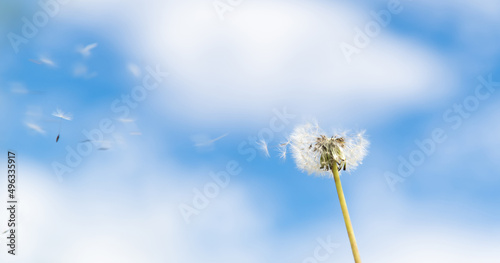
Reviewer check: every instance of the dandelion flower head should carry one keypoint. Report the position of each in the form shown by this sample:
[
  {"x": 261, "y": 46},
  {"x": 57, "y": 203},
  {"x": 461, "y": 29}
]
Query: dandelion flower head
[{"x": 314, "y": 152}]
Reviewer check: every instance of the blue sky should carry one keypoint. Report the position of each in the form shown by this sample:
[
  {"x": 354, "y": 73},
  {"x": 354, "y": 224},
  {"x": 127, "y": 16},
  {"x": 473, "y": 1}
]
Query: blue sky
[{"x": 253, "y": 72}]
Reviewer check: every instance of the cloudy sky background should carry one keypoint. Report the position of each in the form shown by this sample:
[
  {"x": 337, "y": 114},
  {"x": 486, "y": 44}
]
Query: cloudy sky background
[{"x": 227, "y": 79}]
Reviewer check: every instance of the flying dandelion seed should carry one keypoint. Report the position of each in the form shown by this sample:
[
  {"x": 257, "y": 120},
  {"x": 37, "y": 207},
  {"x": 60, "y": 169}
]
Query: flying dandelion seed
[
  {"x": 62, "y": 116},
  {"x": 86, "y": 50},
  {"x": 103, "y": 144},
  {"x": 35, "y": 61},
  {"x": 47, "y": 61},
  {"x": 125, "y": 120},
  {"x": 263, "y": 147},
  {"x": 35, "y": 127},
  {"x": 134, "y": 69},
  {"x": 315, "y": 152},
  {"x": 282, "y": 148},
  {"x": 81, "y": 70},
  {"x": 19, "y": 88},
  {"x": 203, "y": 142},
  {"x": 131, "y": 126}
]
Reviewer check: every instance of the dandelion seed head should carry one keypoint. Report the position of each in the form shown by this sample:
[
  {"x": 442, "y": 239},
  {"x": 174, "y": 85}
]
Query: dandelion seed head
[{"x": 314, "y": 152}]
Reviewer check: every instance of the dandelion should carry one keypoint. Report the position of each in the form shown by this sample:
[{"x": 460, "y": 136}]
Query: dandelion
[
  {"x": 62, "y": 116},
  {"x": 134, "y": 69},
  {"x": 35, "y": 61},
  {"x": 86, "y": 50},
  {"x": 19, "y": 89},
  {"x": 263, "y": 146},
  {"x": 81, "y": 70},
  {"x": 104, "y": 145},
  {"x": 201, "y": 141},
  {"x": 132, "y": 126},
  {"x": 126, "y": 120},
  {"x": 314, "y": 152},
  {"x": 47, "y": 61},
  {"x": 35, "y": 127}
]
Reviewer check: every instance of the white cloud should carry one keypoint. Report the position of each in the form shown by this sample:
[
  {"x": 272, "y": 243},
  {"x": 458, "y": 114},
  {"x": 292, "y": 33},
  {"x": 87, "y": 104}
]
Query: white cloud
[
  {"x": 100, "y": 214},
  {"x": 271, "y": 54}
]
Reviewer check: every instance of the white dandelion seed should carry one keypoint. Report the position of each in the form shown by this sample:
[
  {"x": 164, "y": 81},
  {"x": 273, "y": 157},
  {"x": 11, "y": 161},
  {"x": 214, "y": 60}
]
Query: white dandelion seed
[
  {"x": 282, "y": 148},
  {"x": 35, "y": 127},
  {"x": 47, "y": 61},
  {"x": 263, "y": 146},
  {"x": 35, "y": 61},
  {"x": 86, "y": 50},
  {"x": 19, "y": 88},
  {"x": 201, "y": 141},
  {"x": 314, "y": 152},
  {"x": 134, "y": 69},
  {"x": 80, "y": 70},
  {"x": 131, "y": 125},
  {"x": 126, "y": 120},
  {"x": 103, "y": 145},
  {"x": 62, "y": 116}
]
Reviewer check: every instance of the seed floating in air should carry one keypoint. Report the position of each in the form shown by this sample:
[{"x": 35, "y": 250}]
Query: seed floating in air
[{"x": 62, "y": 116}]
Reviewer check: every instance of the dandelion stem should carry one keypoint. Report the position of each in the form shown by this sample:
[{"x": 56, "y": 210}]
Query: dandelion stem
[{"x": 347, "y": 219}]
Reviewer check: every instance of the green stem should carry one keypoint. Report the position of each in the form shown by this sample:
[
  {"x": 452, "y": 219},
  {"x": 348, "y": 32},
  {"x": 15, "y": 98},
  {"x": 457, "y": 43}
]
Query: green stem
[{"x": 347, "y": 219}]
